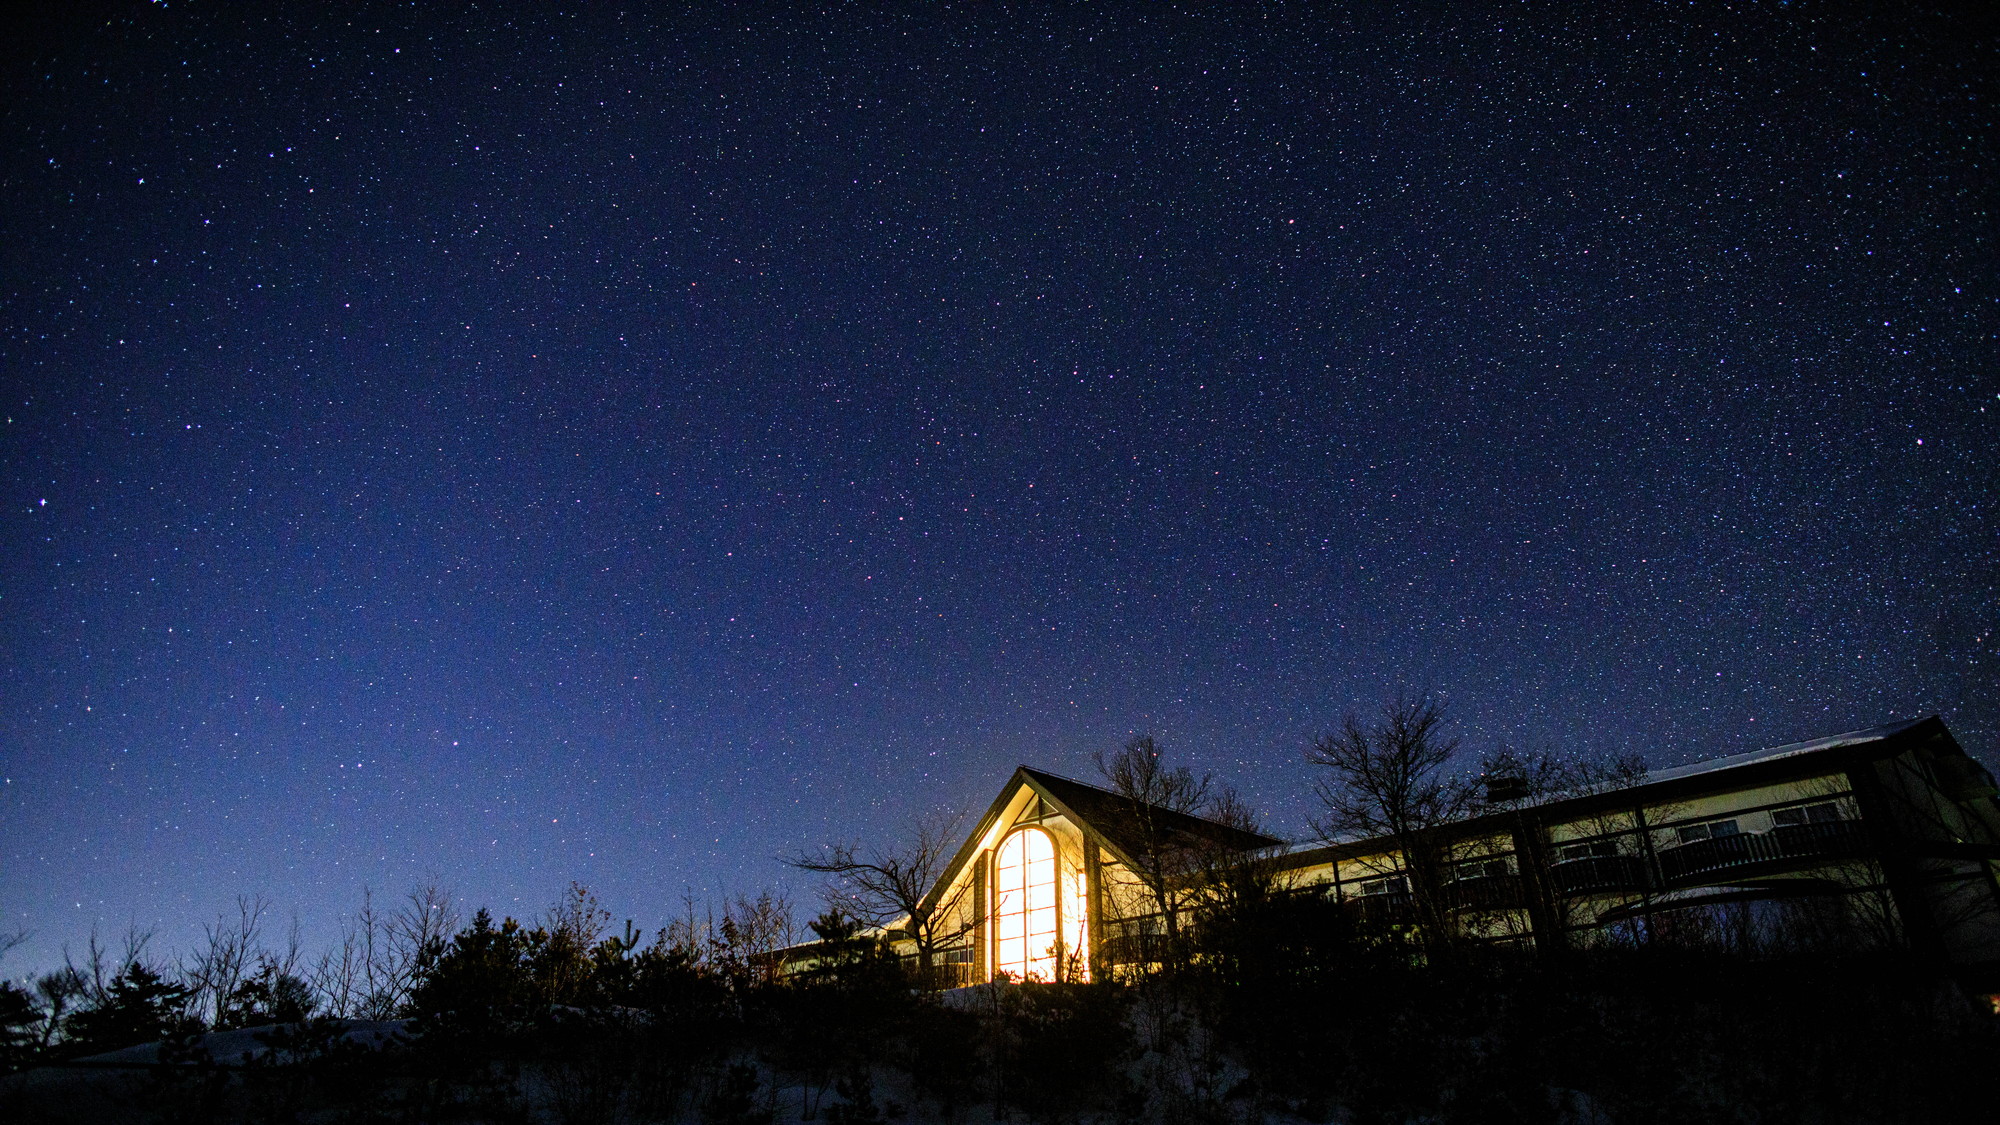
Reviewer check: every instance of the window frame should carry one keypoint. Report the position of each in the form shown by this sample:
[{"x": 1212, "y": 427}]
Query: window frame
[{"x": 1031, "y": 965}]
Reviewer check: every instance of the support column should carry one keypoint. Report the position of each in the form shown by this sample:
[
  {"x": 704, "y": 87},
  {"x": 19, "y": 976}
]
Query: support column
[
  {"x": 1900, "y": 868},
  {"x": 979, "y": 954},
  {"x": 1531, "y": 855},
  {"x": 1093, "y": 889}
]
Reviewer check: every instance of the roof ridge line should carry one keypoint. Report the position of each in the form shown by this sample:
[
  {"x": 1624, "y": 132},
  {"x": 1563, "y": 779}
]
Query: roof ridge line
[{"x": 1148, "y": 804}]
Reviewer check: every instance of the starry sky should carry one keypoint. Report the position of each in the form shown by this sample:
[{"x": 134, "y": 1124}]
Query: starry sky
[{"x": 506, "y": 446}]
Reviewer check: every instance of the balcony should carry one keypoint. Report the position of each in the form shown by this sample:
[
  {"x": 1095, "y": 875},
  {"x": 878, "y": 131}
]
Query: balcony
[
  {"x": 1485, "y": 892},
  {"x": 1785, "y": 845},
  {"x": 948, "y": 975},
  {"x": 1834, "y": 839},
  {"x": 951, "y": 969},
  {"x": 1133, "y": 948},
  {"x": 1382, "y": 910},
  {"x": 1598, "y": 873}
]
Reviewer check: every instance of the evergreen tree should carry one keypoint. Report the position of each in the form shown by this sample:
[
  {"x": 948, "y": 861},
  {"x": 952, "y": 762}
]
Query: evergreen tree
[
  {"x": 857, "y": 1101},
  {"x": 18, "y": 1020},
  {"x": 735, "y": 1100},
  {"x": 479, "y": 985},
  {"x": 944, "y": 1059},
  {"x": 269, "y": 995},
  {"x": 140, "y": 1007}
]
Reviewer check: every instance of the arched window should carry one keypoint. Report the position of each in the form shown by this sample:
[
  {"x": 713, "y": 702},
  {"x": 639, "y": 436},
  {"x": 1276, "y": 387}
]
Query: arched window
[{"x": 1024, "y": 906}]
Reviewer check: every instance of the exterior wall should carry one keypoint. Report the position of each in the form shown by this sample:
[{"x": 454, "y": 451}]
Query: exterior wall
[
  {"x": 1808, "y": 859},
  {"x": 973, "y": 895},
  {"x": 1131, "y": 917},
  {"x": 1937, "y": 865},
  {"x": 1819, "y": 874},
  {"x": 1894, "y": 840}
]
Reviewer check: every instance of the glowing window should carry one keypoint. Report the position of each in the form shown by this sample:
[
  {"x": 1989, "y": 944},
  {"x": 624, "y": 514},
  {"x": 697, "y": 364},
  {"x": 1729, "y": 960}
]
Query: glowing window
[{"x": 1024, "y": 906}]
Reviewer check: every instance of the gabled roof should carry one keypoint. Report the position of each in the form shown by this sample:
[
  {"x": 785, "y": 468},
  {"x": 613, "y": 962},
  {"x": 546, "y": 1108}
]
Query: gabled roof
[
  {"x": 1115, "y": 822},
  {"x": 1123, "y": 823}
]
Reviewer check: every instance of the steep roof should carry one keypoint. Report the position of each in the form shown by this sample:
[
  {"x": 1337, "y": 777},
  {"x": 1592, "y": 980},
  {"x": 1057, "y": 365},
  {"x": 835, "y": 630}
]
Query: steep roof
[
  {"x": 1115, "y": 822},
  {"x": 1123, "y": 821}
]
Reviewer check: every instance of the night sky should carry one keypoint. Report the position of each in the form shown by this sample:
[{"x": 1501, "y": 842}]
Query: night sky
[{"x": 513, "y": 447}]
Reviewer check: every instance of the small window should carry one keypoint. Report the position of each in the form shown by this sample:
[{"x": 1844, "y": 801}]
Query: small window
[
  {"x": 1483, "y": 869},
  {"x": 1394, "y": 885},
  {"x": 1824, "y": 813},
  {"x": 1593, "y": 850},
  {"x": 1712, "y": 830}
]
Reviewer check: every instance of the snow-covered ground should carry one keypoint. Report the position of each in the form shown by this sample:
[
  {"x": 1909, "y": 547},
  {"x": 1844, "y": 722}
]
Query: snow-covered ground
[{"x": 249, "y": 1044}]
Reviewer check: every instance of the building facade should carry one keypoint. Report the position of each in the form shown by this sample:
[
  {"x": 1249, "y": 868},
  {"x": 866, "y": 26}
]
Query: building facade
[{"x": 1887, "y": 837}]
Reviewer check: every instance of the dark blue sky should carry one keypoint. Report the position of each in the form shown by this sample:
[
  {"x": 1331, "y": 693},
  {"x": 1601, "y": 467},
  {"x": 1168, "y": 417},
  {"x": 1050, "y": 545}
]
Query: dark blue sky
[{"x": 522, "y": 447}]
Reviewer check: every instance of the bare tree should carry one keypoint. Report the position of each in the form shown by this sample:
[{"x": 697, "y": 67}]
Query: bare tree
[
  {"x": 892, "y": 888},
  {"x": 1394, "y": 780},
  {"x": 1139, "y": 772},
  {"x": 99, "y": 967},
  {"x": 743, "y": 943},
  {"x": 1170, "y": 863},
  {"x": 690, "y": 931},
  {"x": 1613, "y": 833},
  {"x": 337, "y": 977},
  {"x": 346, "y": 977},
  {"x": 214, "y": 972},
  {"x": 370, "y": 973},
  {"x": 577, "y": 918},
  {"x": 59, "y": 993},
  {"x": 753, "y": 930},
  {"x": 413, "y": 933}
]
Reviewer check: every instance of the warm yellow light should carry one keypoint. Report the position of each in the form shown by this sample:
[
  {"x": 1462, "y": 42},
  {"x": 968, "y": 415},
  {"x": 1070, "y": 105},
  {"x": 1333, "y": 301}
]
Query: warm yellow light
[{"x": 1024, "y": 906}]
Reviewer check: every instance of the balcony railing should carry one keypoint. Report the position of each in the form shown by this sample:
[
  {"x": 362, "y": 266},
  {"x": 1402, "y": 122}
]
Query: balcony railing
[
  {"x": 1830, "y": 839},
  {"x": 951, "y": 969},
  {"x": 1382, "y": 910},
  {"x": 1598, "y": 873},
  {"x": 1718, "y": 853},
  {"x": 1133, "y": 948},
  {"x": 1826, "y": 840},
  {"x": 1485, "y": 892}
]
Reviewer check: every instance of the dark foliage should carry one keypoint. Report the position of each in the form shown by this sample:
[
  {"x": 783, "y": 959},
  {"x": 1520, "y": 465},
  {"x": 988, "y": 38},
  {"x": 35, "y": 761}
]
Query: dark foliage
[
  {"x": 857, "y": 1102},
  {"x": 1064, "y": 1049},
  {"x": 478, "y": 988},
  {"x": 20, "y": 1020},
  {"x": 1289, "y": 1003},
  {"x": 140, "y": 1006},
  {"x": 735, "y": 1100},
  {"x": 269, "y": 995},
  {"x": 944, "y": 1059},
  {"x": 837, "y": 1017}
]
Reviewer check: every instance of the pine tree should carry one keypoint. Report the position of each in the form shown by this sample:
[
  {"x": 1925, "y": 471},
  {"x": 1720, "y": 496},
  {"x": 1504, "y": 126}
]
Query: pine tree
[
  {"x": 270, "y": 995},
  {"x": 857, "y": 1105},
  {"x": 18, "y": 1018},
  {"x": 735, "y": 1100},
  {"x": 479, "y": 986},
  {"x": 140, "y": 1007}
]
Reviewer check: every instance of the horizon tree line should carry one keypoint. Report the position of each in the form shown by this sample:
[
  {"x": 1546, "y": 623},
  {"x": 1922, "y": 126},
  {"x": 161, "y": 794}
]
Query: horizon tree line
[{"x": 1400, "y": 777}]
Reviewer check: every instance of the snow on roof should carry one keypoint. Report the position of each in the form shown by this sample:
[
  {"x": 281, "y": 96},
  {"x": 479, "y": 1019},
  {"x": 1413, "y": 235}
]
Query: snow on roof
[
  {"x": 1676, "y": 773},
  {"x": 1789, "y": 750}
]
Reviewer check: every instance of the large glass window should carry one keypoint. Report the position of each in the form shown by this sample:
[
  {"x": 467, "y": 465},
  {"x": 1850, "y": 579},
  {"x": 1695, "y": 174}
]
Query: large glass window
[{"x": 1024, "y": 906}]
